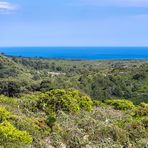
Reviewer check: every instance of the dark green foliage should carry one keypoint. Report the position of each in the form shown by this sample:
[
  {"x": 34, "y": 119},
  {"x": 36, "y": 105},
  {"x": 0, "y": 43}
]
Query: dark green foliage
[
  {"x": 8, "y": 72},
  {"x": 12, "y": 88},
  {"x": 140, "y": 76},
  {"x": 46, "y": 85},
  {"x": 51, "y": 118}
]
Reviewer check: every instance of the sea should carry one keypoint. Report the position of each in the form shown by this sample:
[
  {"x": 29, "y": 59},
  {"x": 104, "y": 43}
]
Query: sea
[{"x": 84, "y": 53}]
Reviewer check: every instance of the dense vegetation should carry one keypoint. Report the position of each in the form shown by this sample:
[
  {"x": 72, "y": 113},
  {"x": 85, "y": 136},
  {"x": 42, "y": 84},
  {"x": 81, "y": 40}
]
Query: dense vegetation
[{"x": 73, "y": 103}]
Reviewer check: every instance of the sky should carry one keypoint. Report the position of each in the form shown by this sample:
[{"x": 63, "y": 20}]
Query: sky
[{"x": 73, "y": 23}]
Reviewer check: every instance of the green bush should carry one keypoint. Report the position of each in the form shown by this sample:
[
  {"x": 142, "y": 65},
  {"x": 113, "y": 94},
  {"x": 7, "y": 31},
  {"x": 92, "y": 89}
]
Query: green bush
[
  {"x": 66, "y": 100},
  {"x": 4, "y": 114},
  {"x": 97, "y": 103},
  {"x": 29, "y": 102},
  {"x": 36, "y": 127},
  {"x": 51, "y": 118},
  {"x": 9, "y": 135},
  {"x": 120, "y": 104},
  {"x": 7, "y": 100},
  {"x": 142, "y": 110}
]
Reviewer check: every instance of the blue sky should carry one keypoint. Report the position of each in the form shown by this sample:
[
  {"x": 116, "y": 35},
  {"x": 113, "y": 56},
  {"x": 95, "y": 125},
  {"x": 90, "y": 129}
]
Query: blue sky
[{"x": 73, "y": 22}]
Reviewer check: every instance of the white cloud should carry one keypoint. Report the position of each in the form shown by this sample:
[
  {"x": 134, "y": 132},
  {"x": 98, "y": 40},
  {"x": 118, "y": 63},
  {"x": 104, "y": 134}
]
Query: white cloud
[{"x": 6, "y": 6}]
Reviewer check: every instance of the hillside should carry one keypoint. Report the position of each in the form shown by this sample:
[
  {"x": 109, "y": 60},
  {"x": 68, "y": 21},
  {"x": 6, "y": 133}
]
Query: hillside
[
  {"x": 57, "y": 103},
  {"x": 100, "y": 79},
  {"x": 67, "y": 118}
]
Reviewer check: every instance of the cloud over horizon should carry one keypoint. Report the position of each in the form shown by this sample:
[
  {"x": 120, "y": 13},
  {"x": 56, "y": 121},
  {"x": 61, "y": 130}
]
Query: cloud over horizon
[{"x": 7, "y": 7}]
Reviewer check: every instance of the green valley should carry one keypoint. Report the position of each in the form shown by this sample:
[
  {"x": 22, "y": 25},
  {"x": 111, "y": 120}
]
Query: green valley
[{"x": 47, "y": 103}]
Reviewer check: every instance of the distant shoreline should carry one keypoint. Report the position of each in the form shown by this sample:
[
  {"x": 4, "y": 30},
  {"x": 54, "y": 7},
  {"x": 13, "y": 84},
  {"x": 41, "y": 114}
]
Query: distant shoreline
[{"x": 72, "y": 59}]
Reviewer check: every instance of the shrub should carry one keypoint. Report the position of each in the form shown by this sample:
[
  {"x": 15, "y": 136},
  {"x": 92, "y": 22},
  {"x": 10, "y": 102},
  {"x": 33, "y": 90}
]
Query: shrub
[
  {"x": 142, "y": 110},
  {"x": 88, "y": 129},
  {"x": 29, "y": 102},
  {"x": 9, "y": 135},
  {"x": 66, "y": 100},
  {"x": 140, "y": 76},
  {"x": 4, "y": 114},
  {"x": 51, "y": 118},
  {"x": 37, "y": 127},
  {"x": 7, "y": 100},
  {"x": 12, "y": 88},
  {"x": 136, "y": 130},
  {"x": 145, "y": 122},
  {"x": 120, "y": 104},
  {"x": 97, "y": 103}
]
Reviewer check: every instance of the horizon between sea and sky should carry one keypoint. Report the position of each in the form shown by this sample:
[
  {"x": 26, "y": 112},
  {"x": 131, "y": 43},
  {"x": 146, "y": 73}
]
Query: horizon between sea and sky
[{"x": 73, "y": 23}]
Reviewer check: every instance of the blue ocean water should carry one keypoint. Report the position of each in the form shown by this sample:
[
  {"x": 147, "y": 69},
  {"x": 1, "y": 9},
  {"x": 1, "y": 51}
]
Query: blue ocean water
[{"x": 89, "y": 53}]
